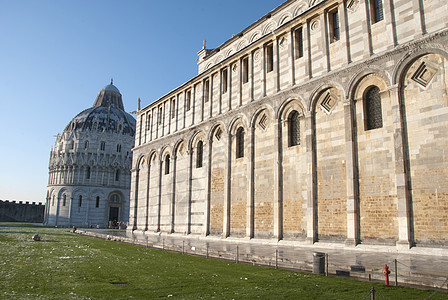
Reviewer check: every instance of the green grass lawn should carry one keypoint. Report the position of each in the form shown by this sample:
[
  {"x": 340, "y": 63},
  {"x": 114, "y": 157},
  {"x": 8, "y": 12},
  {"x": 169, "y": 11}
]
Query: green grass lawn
[{"x": 70, "y": 266}]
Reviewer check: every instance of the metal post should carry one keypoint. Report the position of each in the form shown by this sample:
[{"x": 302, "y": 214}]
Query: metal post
[
  {"x": 237, "y": 254},
  {"x": 276, "y": 258},
  {"x": 207, "y": 250},
  {"x": 372, "y": 293},
  {"x": 396, "y": 273},
  {"x": 326, "y": 264}
]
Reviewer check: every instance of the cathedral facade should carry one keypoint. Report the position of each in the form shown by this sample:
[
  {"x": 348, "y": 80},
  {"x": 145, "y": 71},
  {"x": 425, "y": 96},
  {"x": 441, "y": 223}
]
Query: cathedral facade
[
  {"x": 322, "y": 121},
  {"x": 89, "y": 169}
]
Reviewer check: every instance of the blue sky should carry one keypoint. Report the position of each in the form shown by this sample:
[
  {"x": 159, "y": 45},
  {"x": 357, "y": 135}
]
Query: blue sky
[{"x": 55, "y": 56}]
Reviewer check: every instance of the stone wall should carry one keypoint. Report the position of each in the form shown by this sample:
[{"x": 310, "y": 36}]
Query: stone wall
[
  {"x": 12, "y": 211},
  {"x": 343, "y": 179}
]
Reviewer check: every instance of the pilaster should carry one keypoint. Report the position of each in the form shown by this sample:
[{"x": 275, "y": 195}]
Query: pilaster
[
  {"x": 311, "y": 195},
  {"x": 405, "y": 238},
  {"x": 227, "y": 187},
  {"x": 278, "y": 191},
  {"x": 250, "y": 185},
  {"x": 351, "y": 177}
]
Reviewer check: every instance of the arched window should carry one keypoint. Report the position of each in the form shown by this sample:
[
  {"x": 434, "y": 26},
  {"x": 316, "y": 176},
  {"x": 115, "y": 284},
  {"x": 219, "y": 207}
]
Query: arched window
[
  {"x": 86, "y": 145},
  {"x": 52, "y": 201},
  {"x": 167, "y": 164},
  {"x": 64, "y": 199},
  {"x": 199, "y": 154},
  {"x": 72, "y": 145},
  {"x": 118, "y": 147},
  {"x": 293, "y": 129},
  {"x": 114, "y": 198},
  {"x": 80, "y": 201},
  {"x": 97, "y": 204},
  {"x": 117, "y": 175},
  {"x": 103, "y": 146},
  {"x": 376, "y": 10},
  {"x": 372, "y": 109},
  {"x": 88, "y": 173},
  {"x": 240, "y": 142}
]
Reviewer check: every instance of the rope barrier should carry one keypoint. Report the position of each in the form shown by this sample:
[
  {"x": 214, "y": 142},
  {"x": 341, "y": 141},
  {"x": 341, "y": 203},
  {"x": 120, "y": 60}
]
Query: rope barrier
[
  {"x": 382, "y": 296},
  {"x": 367, "y": 296},
  {"x": 435, "y": 292}
]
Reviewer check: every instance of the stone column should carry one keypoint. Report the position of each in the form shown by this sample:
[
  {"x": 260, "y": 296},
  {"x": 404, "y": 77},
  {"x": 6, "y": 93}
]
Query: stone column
[
  {"x": 344, "y": 33},
  {"x": 203, "y": 99},
  {"x": 351, "y": 176},
  {"x": 229, "y": 87},
  {"x": 278, "y": 180},
  {"x": 405, "y": 238},
  {"x": 264, "y": 69},
  {"x": 311, "y": 195},
  {"x": 208, "y": 180},
  {"x": 163, "y": 116},
  {"x": 250, "y": 184},
  {"x": 134, "y": 197},
  {"x": 368, "y": 47},
  {"x": 292, "y": 69},
  {"x": 177, "y": 112},
  {"x": 389, "y": 18},
  {"x": 148, "y": 180},
  {"x": 240, "y": 82},
  {"x": 210, "y": 105},
  {"x": 159, "y": 196},
  {"x": 220, "y": 93},
  {"x": 152, "y": 125},
  {"x": 190, "y": 176},
  {"x": 58, "y": 202},
  {"x": 193, "y": 101},
  {"x": 419, "y": 18},
  {"x": 70, "y": 209},
  {"x": 173, "y": 195},
  {"x": 170, "y": 109},
  {"x": 276, "y": 61},
  {"x": 227, "y": 187},
  {"x": 251, "y": 75}
]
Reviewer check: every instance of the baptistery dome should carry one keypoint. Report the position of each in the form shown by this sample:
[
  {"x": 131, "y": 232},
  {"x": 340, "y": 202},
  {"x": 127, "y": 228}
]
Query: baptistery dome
[{"x": 89, "y": 169}]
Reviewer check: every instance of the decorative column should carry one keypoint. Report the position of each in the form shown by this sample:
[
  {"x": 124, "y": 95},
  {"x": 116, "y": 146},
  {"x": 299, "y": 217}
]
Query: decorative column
[
  {"x": 351, "y": 176},
  {"x": 292, "y": 69},
  {"x": 250, "y": 184},
  {"x": 419, "y": 18},
  {"x": 227, "y": 187},
  {"x": 148, "y": 180},
  {"x": 311, "y": 195},
  {"x": 193, "y": 101},
  {"x": 159, "y": 196},
  {"x": 405, "y": 231},
  {"x": 264, "y": 72},
  {"x": 229, "y": 87},
  {"x": 278, "y": 180},
  {"x": 251, "y": 75},
  {"x": 389, "y": 17},
  {"x": 173, "y": 195},
  {"x": 70, "y": 210},
  {"x": 208, "y": 180},
  {"x": 210, "y": 106},
  {"x": 135, "y": 196},
  {"x": 190, "y": 176},
  {"x": 276, "y": 62}
]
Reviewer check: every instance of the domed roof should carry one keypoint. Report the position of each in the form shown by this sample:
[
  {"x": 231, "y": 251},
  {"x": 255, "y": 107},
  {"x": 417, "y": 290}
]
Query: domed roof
[
  {"x": 111, "y": 87},
  {"x": 107, "y": 114}
]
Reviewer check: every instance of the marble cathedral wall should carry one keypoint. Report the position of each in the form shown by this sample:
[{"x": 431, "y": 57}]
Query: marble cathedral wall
[{"x": 322, "y": 121}]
